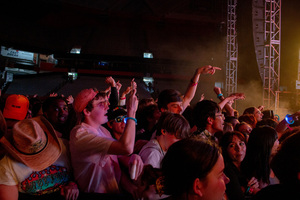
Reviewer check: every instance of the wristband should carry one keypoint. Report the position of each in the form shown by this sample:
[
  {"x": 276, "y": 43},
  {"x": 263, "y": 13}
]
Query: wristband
[
  {"x": 134, "y": 119},
  {"x": 247, "y": 190},
  {"x": 219, "y": 95},
  {"x": 194, "y": 83},
  {"x": 289, "y": 119},
  {"x": 122, "y": 98},
  {"x": 250, "y": 191}
]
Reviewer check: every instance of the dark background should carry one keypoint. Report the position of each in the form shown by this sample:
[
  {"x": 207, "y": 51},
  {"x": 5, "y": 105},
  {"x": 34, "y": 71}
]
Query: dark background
[{"x": 182, "y": 35}]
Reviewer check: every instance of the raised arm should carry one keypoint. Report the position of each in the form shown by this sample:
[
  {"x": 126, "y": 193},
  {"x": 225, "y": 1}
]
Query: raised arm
[
  {"x": 192, "y": 87},
  {"x": 114, "y": 96},
  {"x": 227, "y": 106},
  {"x": 232, "y": 97},
  {"x": 125, "y": 144},
  {"x": 283, "y": 124}
]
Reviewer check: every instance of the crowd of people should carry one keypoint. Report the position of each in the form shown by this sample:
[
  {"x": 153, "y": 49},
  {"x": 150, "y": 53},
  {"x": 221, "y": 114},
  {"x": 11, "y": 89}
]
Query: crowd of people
[{"x": 112, "y": 145}]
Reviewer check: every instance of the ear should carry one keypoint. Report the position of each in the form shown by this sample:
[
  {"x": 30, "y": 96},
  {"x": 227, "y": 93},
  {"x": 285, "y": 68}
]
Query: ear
[
  {"x": 109, "y": 124},
  {"x": 163, "y": 131},
  {"x": 198, "y": 187},
  {"x": 86, "y": 112},
  {"x": 210, "y": 120},
  {"x": 163, "y": 110}
]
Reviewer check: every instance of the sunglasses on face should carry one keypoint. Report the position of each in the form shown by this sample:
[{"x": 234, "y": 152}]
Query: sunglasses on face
[{"x": 120, "y": 119}]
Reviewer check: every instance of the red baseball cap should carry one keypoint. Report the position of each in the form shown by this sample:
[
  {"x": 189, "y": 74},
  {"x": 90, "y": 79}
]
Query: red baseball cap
[
  {"x": 83, "y": 98},
  {"x": 16, "y": 107}
]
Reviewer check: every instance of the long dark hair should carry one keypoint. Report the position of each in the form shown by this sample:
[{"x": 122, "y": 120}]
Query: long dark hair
[{"x": 259, "y": 147}]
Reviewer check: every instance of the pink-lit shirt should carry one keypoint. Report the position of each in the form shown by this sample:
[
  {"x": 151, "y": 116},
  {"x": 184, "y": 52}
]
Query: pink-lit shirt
[{"x": 95, "y": 171}]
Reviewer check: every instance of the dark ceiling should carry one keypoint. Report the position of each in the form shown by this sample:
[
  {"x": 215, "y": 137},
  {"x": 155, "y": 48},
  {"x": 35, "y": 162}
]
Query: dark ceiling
[{"x": 111, "y": 27}]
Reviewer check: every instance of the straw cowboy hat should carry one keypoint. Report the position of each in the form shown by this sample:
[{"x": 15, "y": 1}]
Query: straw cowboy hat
[{"x": 33, "y": 142}]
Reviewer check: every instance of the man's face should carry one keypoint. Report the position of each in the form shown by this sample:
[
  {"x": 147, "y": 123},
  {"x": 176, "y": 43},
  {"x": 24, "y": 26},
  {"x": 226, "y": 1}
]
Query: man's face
[
  {"x": 218, "y": 122},
  {"x": 175, "y": 107},
  {"x": 99, "y": 111},
  {"x": 57, "y": 113},
  {"x": 118, "y": 125}
]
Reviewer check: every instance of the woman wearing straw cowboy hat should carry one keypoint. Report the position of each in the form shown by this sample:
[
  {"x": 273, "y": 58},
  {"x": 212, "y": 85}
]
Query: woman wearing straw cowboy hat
[{"x": 35, "y": 163}]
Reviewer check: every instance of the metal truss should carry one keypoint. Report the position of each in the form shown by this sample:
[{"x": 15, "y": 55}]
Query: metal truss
[
  {"x": 232, "y": 48},
  {"x": 271, "y": 72}
]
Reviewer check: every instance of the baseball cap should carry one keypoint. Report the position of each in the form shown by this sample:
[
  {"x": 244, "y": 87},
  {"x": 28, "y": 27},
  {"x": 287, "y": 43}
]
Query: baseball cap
[
  {"x": 167, "y": 96},
  {"x": 83, "y": 98},
  {"x": 16, "y": 107},
  {"x": 116, "y": 112}
]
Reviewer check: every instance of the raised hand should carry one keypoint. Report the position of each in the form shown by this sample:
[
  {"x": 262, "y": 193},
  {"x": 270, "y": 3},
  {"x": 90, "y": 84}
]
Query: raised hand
[
  {"x": 118, "y": 85},
  {"x": 208, "y": 69},
  {"x": 132, "y": 103},
  {"x": 110, "y": 81},
  {"x": 136, "y": 166}
]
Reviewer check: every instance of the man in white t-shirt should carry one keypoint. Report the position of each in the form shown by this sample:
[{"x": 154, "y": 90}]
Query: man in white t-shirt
[
  {"x": 94, "y": 153},
  {"x": 171, "y": 127}
]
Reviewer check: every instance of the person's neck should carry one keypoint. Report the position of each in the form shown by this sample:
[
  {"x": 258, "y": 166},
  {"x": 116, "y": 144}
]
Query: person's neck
[
  {"x": 92, "y": 123},
  {"x": 237, "y": 164},
  {"x": 161, "y": 143},
  {"x": 210, "y": 130},
  {"x": 117, "y": 135}
]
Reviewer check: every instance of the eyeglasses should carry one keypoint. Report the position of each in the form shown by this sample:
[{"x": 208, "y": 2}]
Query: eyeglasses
[
  {"x": 120, "y": 119},
  {"x": 103, "y": 103},
  {"x": 219, "y": 115}
]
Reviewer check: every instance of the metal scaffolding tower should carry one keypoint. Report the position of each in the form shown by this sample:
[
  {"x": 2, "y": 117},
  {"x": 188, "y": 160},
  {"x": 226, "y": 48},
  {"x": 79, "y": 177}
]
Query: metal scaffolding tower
[
  {"x": 232, "y": 48},
  {"x": 272, "y": 53}
]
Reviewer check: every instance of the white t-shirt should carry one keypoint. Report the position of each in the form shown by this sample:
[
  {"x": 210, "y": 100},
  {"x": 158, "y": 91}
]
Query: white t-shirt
[
  {"x": 95, "y": 171},
  {"x": 32, "y": 182},
  {"x": 152, "y": 153}
]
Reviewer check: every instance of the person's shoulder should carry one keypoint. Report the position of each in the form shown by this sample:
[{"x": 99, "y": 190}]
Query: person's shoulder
[
  {"x": 76, "y": 128},
  {"x": 153, "y": 144},
  {"x": 150, "y": 146},
  {"x": 5, "y": 161},
  {"x": 104, "y": 131}
]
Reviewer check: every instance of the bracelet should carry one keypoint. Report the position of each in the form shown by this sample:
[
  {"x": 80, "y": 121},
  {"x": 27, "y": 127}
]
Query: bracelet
[
  {"x": 122, "y": 98},
  {"x": 134, "y": 119},
  {"x": 289, "y": 119},
  {"x": 219, "y": 95},
  {"x": 194, "y": 83},
  {"x": 249, "y": 191}
]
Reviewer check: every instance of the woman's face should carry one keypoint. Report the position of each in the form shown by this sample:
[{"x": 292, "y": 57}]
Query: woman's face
[
  {"x": 216, "y": 182},
  {"x": 258, "y": 114},
  {"x": 236, "y": 150}
]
